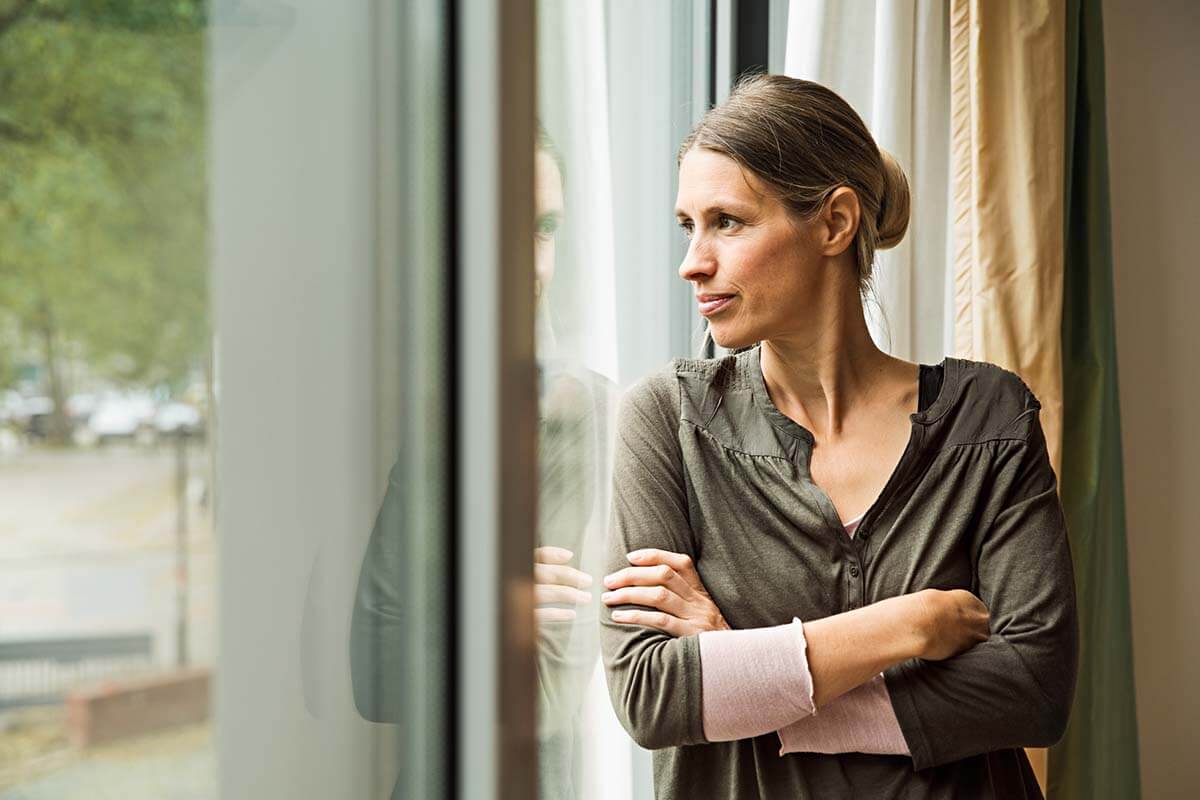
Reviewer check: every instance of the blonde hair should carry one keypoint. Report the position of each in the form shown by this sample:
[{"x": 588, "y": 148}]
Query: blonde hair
[{"x": 805, "y": 141}]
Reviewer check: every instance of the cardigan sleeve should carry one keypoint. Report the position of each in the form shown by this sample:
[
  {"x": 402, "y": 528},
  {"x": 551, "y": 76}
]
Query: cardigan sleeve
[
  {"x": 1016, "y": 688},
  {"x": 654, "y": 678}
]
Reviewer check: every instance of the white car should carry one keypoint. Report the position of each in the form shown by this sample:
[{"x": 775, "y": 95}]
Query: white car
[
  {"x": 120, "y": 416},
  {"x": 178, "y": 417},
  {"x": 114, "y": 420}
]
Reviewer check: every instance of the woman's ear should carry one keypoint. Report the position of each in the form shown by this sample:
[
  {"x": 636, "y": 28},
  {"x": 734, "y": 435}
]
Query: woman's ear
[{"x": 839, "y": 221}]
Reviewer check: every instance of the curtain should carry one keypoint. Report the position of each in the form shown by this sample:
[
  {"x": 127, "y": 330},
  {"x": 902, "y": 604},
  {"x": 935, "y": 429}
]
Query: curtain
[
  {"x": 582, "y": 750},
  {"x": 1007, "y": 155},
  {"x": 573, "y": 105},
  {"x": 897, "y": 77},
  {"x": 1098, "y": 757}
]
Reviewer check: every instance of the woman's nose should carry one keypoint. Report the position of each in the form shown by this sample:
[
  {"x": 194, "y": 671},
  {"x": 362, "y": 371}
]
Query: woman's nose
[{"x": 698, "y": 264}]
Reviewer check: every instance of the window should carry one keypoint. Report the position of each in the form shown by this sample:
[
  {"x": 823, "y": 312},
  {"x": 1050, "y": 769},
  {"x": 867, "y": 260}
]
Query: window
[{"x": 619, "y": 86}]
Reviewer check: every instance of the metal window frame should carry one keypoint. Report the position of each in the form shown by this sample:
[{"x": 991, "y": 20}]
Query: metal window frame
[
  {"x": 495, "y": 397},
  {"x": 412, "y": 54}
]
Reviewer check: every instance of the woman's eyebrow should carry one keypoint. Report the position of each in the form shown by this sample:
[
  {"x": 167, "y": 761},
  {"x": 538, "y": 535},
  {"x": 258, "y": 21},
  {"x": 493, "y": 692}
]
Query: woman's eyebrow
[{"x": 730, "y": 206}]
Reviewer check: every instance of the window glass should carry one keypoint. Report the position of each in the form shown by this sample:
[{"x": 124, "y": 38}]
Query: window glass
[
  {"x": 108, "y": 568},
  {"x": 222, "y": 377},
  {"x": 620, "y": 83}
]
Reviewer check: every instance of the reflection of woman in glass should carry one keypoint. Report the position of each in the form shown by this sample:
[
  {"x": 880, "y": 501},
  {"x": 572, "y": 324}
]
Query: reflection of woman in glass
[
  {"x": 573, "y": 452},
  {"x": 803, "y": 531},
  {"x": 573, "y": 472}
]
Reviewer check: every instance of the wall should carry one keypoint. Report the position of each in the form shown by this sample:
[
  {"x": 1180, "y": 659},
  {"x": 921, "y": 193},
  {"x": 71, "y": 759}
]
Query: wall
[{"x": 1153, "y": 75}]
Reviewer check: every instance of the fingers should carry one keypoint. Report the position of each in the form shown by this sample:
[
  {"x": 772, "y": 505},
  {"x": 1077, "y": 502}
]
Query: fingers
[
  {"x": 680, "y": 562},
  {"x": 652, "y": 619},
  {"x": 657, "y": 597},
  {"x": 966, "y": 599},
  {"x": 550, "y": 567},
  {"x": 658, "y": 575},
  {"x": 976, "y": 615},
  {"x": 557, "y": 593},
  {"x": 554, "y": 582},
  {"x": 561, "y": 574},
  {"x": 543, "y": 615},
  {"x": 552, "y": 555}
]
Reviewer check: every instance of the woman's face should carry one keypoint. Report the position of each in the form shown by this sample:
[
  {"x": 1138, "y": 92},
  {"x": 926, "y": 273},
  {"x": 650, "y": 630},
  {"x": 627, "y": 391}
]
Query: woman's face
[
  {"x": 756, "y": 269},
  {"x": 548, "y": 199}
]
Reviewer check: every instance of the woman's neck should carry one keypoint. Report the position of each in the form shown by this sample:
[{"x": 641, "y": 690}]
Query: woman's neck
[{"x": 825, "y": 374}]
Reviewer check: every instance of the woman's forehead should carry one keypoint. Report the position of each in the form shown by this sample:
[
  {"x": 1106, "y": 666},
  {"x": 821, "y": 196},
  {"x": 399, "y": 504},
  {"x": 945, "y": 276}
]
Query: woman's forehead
[{"x": 708, "y": 179}]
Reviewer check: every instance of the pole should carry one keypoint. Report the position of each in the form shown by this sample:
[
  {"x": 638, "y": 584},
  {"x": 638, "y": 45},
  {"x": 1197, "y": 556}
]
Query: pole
[{"x": 181, "y": 549}]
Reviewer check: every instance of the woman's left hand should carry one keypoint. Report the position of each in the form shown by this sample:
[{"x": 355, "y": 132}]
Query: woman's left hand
[{"x": 667, "y": 582}]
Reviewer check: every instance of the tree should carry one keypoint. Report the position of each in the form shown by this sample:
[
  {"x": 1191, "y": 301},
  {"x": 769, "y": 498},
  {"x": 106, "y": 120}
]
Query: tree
[{"x": 103, "y": 234}]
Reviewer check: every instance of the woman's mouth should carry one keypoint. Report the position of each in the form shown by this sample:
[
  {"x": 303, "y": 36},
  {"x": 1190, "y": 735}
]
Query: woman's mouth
[{"x": 713, "y": 303}]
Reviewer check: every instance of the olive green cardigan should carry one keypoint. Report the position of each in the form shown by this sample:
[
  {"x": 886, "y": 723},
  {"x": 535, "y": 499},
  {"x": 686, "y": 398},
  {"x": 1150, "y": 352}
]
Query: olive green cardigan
[{"x": 706, "y": 465}]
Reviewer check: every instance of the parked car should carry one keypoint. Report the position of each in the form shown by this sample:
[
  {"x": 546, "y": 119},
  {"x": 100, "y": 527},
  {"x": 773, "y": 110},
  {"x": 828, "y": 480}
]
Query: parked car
[
  {"x": 80, "y": 407},
  {"x": 120, "y": 416},
  {"x": 176, "y": 417}
]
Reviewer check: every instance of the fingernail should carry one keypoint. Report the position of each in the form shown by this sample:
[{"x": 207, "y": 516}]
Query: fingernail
[
  {"x": 606, "y": 596},
  {"x": 620, "y": 616},
  {"x": 609, "y": 580},
  {"x": 635, "y": 555}
]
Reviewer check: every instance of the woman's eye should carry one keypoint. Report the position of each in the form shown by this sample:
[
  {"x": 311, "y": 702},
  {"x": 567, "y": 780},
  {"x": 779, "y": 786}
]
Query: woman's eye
[
  {"x": 687, "y": 229},
  {"x": 547, "y": 226},
  {"x": 725, "y": 222}
]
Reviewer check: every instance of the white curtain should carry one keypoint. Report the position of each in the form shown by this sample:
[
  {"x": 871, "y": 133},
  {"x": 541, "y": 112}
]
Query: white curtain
[
  {"x": 573, "y": 106},
  {"x": 617, "y": 93},
  {"x": 890, "y": 59},
  {"x": 581, "y": 310}
]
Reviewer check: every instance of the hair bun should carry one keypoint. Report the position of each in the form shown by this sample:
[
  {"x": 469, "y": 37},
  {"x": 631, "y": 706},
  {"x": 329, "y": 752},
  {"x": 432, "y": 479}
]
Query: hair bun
[{"x": 892, "y": 220}]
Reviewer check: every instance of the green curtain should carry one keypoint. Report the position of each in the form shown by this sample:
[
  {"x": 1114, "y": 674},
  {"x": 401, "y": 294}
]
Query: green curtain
[{"x": 1098, "y": 757}]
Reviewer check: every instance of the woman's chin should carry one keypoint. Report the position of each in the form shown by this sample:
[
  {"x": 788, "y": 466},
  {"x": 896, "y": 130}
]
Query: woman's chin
[{"x": 730, "y": 339}]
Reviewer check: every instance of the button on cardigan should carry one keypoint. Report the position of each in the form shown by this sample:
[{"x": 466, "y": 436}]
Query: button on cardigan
[{"x": 706, "y": 465}]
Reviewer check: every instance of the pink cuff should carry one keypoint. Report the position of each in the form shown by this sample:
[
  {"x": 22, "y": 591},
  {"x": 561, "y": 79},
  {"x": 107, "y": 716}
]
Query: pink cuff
[
  {"x": 754, "y": 681},
  {"x": 860, "y": 721}
]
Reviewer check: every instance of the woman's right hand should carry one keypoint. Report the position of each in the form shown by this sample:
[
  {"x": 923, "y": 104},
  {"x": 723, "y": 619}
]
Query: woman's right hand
[{"x": 950, "y": 622}]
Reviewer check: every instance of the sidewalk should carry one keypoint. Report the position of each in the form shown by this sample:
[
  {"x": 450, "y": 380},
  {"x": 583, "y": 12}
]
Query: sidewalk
[{"x": 171, "y": 765}]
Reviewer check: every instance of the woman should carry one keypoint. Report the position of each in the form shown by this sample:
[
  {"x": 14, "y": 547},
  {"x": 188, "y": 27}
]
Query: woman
[{"x": 803, "y": 531}]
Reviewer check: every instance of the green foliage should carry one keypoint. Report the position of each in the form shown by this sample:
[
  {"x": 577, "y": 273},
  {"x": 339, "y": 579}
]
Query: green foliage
[
  {"x": 149, "y": 16},
  {"x": 103, "y": 225}
]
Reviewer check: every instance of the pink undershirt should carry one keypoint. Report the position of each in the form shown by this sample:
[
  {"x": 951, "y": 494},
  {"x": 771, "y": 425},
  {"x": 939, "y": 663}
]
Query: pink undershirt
[{"x": 757, "y": 680}]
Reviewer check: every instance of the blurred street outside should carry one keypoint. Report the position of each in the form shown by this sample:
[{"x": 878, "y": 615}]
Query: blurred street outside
[{"x": 88, "y": 547}]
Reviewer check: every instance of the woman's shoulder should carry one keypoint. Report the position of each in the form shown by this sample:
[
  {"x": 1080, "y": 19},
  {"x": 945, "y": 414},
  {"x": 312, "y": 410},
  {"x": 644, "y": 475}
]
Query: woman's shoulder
[
  {"x": 681, "y": 376},
  {"x": 656, "y": 392},
  {"x": 993, "y": 402}
]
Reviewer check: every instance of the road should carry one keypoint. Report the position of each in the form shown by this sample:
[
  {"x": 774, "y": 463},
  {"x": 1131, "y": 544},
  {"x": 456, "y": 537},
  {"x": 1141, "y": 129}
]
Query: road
[{"x": 87, "y": 546}]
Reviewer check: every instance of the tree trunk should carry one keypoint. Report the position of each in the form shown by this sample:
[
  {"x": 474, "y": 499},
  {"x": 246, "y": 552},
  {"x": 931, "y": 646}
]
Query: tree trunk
[{"x": 59, "y": 429}]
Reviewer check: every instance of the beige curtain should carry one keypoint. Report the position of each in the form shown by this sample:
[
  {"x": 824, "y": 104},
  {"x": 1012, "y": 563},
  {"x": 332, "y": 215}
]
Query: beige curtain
[
  {"x": 1008, "y": 95},
  {"x": 1007, "y": 103}
]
